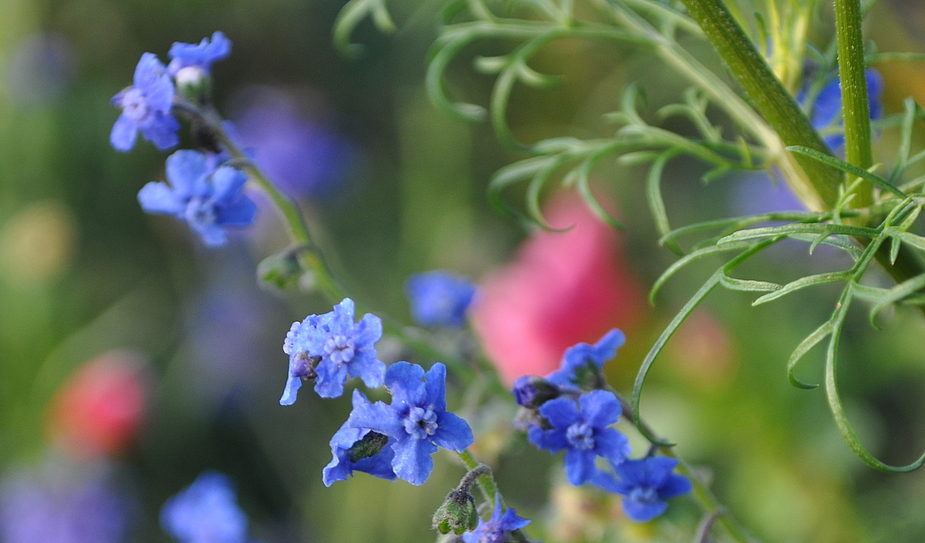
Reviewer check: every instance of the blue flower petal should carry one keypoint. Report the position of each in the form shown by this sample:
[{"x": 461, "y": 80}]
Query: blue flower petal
[
  {"x": 157, "y": 197},
  {"x": 291, "y": 391},
  {"x": 240, "y": 211},
  {"x": 643, "y": 512},
  {"x": 413, "y": 462},
  {"x": 186, "y": 170},
  {"x": 161, "y": 131},
  {"x": 560, "y": 412},
  {"x": 124, "y": 133},
  {"x": 453, "y": 432},
  {"x": 579, "y": 466},
  {"x": 600, "y": 408},
  {"x": 404, "y": 382}
]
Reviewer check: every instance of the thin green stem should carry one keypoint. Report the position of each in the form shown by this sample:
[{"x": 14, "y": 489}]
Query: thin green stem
[
  {"x": 486, "y": 481},
  {"x": 856, "y": 105}
]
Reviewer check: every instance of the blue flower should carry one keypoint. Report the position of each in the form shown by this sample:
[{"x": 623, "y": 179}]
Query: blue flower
[
  {"x": 583, "y": 363},
  {"x": 210, "y": 201},
  {"x": 646, "y": 484},
  {"x": 827, "y": 109},
  {"x": 497, "y": 527},
  {"x": 206, "y": 512},
  {"x": 330, "y": 348},
  {"x": 358, "y": 449},
  {"x": 417, "y": 419},
  {"x": 581, "y": 428},
  {"x": 439, "y": 298},
  {"x": 201, "y": 56},
  {"x": 146, "y": 106}
]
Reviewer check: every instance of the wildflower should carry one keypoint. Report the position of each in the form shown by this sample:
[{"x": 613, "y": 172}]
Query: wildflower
[
  {"x": 497, "y": 527},
  {"x": 581, "y": 428},
  {"x": 358, "y": 449},
  {"x": 417, "y": 419},
  {"x": 146, "y": 107},
  {"x": 201, "y": 56},
  {"x": 210, "y": 201},
  {"x": 582, "y": 364},
  {"x": 646, "y": 484},
  {"x": 206, "y": 512},
  {"x": 330, "y": 348},
  {"x": 439, "y": 298}
]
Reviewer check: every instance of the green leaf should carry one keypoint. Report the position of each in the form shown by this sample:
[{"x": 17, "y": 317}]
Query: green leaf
[
  {"x": 801, "y": 283},
  {"x": 895, "y": 295},
  {"x": 847, "y": 168},
  {"x": 351, "y": 15}
]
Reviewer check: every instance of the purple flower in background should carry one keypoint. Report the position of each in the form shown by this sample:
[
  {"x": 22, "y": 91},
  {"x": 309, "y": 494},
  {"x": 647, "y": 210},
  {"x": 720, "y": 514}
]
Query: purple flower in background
[
  {"x": 62, "y": 504},
  {"x": 417, "y": 419},
  {"x": 357, "y": 449},
  {"x": 205, "y": 512},
  {"x": 210, "y": 201},
  {"x": 40, "y": 69},
  {"x": 496, "y": 529},
  {"x": 583, "y": 363},
  {"x": 581, "y": 428},
  {"x": 304, "y": 158},
  {"x": 439, "y": 298},
  {"x": 330, "y": 348},
  {"x": 200, "y": 55},
  {"x": 146, "y": 107},
  {"x": 646, "y": 484}
]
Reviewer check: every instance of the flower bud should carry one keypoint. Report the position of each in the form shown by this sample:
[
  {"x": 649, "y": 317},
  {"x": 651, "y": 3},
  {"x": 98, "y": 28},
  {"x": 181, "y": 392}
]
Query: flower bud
[
  {"x": 457, "y": 514},
  {"x": 282, "y": 270},
  {"x": 194, "y": 84},
  {"x": 532, "y": 391}
]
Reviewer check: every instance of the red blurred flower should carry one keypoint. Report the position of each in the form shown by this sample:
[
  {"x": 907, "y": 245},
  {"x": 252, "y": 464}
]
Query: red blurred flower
[
  {"x": 98, "y": 409},
  {"x": 561, "y": 289}
]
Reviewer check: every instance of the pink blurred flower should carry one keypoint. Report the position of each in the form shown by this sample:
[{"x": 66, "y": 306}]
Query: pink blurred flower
[
  {"x": 98, "y": 409},
  {"x": 561, "y": 289}
]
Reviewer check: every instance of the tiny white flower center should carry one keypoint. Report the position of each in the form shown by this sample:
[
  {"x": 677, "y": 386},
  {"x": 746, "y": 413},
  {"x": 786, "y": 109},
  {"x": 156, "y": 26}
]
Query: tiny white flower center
[
  {"x": 421, "y": 422},
  {"x": 580, "y": 436}
]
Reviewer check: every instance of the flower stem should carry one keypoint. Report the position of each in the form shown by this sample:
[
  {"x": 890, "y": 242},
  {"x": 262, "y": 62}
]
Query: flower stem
[{"x": 856, "y": 104}]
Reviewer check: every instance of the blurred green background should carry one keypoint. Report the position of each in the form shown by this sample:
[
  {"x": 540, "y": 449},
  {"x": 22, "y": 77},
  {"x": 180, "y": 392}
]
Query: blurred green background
[{"x": 84, "y": 271}]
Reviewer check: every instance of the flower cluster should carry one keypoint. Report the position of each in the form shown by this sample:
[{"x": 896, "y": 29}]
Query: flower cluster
[
  {"x": 572, "y": 410},
  {"x": 200, "y": 191},
  {"x": 384, "y": 440},
  {"x": 330, "y": 348},
  {"x": 209, "y": 200}
]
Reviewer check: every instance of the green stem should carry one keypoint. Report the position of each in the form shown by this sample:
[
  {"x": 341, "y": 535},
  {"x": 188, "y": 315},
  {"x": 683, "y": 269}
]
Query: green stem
[
  {"x": 768, "y": 94},
  {"x": 856, "y": 105},
  {"x": 311, "y": 259},
  {"x": 486, "y": 481}
]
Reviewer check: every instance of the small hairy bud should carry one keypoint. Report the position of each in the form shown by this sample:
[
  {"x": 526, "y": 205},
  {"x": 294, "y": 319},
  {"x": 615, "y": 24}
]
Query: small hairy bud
[{"x": 458, "y": 513}]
